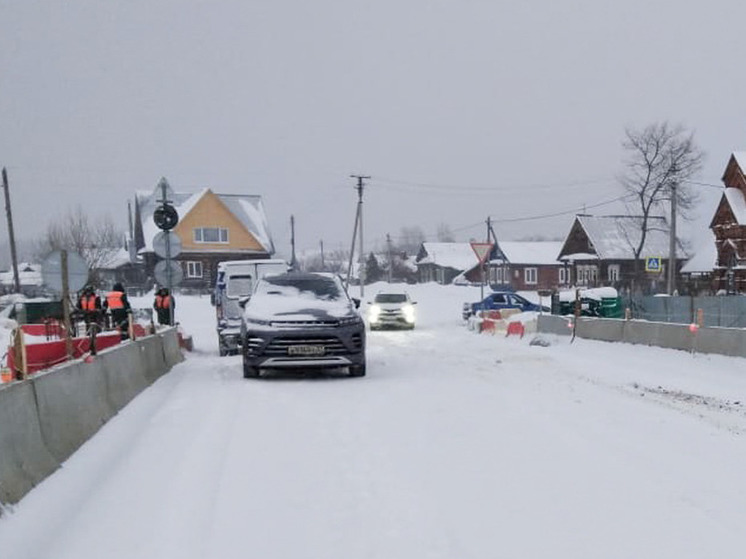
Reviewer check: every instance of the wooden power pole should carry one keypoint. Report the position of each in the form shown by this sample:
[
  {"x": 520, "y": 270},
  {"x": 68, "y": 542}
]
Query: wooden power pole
[{"x": 11, "y": 235}]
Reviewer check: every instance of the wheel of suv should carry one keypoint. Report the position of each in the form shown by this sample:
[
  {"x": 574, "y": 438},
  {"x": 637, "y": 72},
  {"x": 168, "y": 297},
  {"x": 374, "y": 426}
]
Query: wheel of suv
[{"x": 357, "y": 370}]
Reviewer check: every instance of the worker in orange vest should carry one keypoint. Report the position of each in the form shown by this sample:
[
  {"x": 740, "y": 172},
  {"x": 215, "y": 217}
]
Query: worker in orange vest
[
  {"x": 89, "y": 307},
  {"x": 164, "y": 305},
  {"x": 119, "y": 309}
]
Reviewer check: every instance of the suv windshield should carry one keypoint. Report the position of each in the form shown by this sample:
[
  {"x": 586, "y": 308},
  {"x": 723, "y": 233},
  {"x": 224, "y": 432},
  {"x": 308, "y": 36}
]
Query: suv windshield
[
  {"x": 391, "y": 298},
  {"x": 320, "y": 287}
]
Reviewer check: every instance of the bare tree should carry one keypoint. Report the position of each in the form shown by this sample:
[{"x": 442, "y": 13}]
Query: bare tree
[
  {"x": 96, "y": 241},
  {"x": 660, "y": 160}
]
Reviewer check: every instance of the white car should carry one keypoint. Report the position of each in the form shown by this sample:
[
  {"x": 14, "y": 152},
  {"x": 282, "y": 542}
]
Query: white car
[{"x": 391, "y": 310}]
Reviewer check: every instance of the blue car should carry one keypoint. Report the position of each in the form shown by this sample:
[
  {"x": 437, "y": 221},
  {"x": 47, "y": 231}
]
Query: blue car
[{"x": 499, "y": 300}]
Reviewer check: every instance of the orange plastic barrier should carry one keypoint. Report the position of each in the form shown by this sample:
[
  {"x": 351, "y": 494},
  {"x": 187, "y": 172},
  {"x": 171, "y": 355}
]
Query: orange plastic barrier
[
  {"x": 515, "y": 328},
  {"x": 48, "y": 354}
]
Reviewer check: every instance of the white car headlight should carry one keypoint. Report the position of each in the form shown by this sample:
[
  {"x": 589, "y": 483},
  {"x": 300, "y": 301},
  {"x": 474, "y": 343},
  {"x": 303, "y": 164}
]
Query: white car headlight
[
  {"x": 408, "y": 311},
  {"x": 374, "y": 313}
]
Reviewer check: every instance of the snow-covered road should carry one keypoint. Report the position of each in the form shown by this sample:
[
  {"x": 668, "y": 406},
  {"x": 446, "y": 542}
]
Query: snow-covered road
[{"x": 454, "y": 446}]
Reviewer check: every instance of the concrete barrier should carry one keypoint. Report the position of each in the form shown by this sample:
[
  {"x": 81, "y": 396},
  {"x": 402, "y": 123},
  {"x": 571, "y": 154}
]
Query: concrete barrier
[
  {"x": 171, "y": 350},
  {"x": 45, "y": 419},
  {"x": 609, "y": 330},
  {"x": 553, "y": 324},
  {"x": 24, "y": 457},
  {"x": 72, "y": 405},
  {"x": 721, "y": 341}
]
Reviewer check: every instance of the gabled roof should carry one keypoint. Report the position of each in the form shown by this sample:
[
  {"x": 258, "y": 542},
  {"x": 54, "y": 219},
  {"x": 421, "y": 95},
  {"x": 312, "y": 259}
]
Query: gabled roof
[
  {"x": 615, "y": 237},
  {"x": 459, "y": 256},
  {"x": 737, "y": 203},
  {"x": 28, "y": 274},
  {"x": 705, "y": 256},
  {"x": 740, "y": 157},
  {"x": 542, "y": 253},
  {"x": 247, "y": 208}
]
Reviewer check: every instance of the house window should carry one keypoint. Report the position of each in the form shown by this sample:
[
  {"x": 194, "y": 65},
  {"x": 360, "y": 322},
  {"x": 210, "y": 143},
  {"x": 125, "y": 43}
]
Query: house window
[
  {"x": 194, "y": 269},
  {"x": 210, "y": 235},
  {"x": 613, "y": 273},
  {"x": 563, "y": 273},
  {"x": 587, "y": 274},
  {"x": 530, "y": 276}
]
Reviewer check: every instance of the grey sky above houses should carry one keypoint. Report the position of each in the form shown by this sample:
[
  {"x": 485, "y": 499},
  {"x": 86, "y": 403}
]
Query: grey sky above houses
[{"x": 457, "y": 109}]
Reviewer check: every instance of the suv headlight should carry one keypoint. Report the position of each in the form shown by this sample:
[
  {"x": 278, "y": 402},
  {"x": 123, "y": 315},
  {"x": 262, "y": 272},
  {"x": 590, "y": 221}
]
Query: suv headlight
[
  {"x": 256, "y": 321},
  {"x": 408, "y": 311},
  {"x": 349, "y": 320}
]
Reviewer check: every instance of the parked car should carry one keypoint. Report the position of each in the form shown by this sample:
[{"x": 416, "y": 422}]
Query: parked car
[
  {"x": 391, "y": 310},
  {"x": 235, "y": 280},
  {"x": 297, "y": 321},
  {"x": 499, "y": 300}
]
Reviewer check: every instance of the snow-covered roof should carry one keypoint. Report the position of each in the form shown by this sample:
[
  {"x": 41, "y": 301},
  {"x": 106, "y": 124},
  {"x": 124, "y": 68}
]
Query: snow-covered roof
[
  {"x": 737, "y": 203},
  {"x": 28, "y": 274},
  {"x": 740, "y": 157},
  {"x": 532, "y": 252},
  {"x": 705, "y": 256},
  {"x": 459, "y": 256},
  {"x": 247, "y": 208},
  {"x": 615, "y": 237}
]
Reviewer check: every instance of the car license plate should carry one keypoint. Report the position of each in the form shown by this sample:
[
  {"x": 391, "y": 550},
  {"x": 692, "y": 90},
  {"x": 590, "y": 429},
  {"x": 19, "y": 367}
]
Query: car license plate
[{"x": 306, "y": 350}]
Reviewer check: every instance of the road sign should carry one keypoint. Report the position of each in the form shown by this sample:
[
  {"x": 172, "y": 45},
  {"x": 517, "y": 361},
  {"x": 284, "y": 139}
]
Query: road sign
[
  {"x": 77, "y": 271},
  {"x": 654, "y": 264},
  {"x": 159, "y": 244},
  {"x": 165, "y": 217},
  {"x": 482, "y": 250},
  {"x": 161, "y": 273}
]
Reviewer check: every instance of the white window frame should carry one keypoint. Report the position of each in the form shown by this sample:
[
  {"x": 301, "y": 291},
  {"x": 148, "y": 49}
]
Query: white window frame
[
  {"x": 194, "y": 269},
  {"x": 563, "y": 276},
  {"x": 531, "y": 276},
  {"x": 199, "y": 235},
  {"x": 613, "y": 272}
]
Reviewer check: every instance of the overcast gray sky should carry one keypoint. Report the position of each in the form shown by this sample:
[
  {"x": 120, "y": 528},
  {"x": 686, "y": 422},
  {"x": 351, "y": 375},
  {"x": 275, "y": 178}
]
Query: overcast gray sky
[{"x": 458, "y": 109}]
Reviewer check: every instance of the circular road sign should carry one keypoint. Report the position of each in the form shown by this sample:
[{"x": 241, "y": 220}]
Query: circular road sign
[
  {"x": 159, "y": 244},
  {"x": 165, "y": 217},
  {"x": 77, "y": 271},
  {"x": 161, "y": 273}
]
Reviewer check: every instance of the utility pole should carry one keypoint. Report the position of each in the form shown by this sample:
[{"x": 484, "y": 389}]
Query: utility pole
[
  {"x": 11, "y": 235},
  {"x": 391, "y": 261},
  {"x": 672, "y": 244},
  {"x": 293, "y": 262},
  {"x": 323, "y": 264},
  {"x": 359, "y": 224}
]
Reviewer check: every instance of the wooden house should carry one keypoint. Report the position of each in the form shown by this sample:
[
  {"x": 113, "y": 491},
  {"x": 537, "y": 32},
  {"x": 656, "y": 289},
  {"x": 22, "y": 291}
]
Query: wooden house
[
  {"x": 729, "y": 228},
  {"x": 443, "y": 262},
  {"x": 212, "y": 228},
  {"x": 528, "y": 266},
  {"x": 599, "y": 251}
]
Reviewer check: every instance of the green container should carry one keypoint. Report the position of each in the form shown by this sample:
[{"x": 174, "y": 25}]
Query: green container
[{"x": 611, "y": 307}]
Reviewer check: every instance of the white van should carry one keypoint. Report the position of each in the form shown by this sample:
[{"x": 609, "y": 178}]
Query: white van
[{"x": 235, "y": 280}]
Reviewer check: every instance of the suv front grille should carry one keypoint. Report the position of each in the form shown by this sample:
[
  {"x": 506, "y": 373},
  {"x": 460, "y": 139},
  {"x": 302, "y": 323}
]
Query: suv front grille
[
  {"x": 279, "y": 346},
  {"x": 305, "y": 323}
]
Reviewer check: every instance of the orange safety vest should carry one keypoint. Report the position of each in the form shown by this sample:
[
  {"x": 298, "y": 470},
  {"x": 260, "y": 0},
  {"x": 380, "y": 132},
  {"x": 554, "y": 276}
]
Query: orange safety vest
[
  {"x": 88, "y": 303},
  {"x": 114, "y": 300},
  {"x": 162, "y": 302}
]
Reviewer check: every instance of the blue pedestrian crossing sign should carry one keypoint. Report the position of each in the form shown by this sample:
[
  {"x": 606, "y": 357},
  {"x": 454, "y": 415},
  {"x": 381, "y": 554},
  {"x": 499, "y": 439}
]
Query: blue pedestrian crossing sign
[{"x": 653, "y": 264}]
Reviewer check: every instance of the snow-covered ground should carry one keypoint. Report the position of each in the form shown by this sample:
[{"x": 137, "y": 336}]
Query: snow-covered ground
[{"x": 456, "y": 445}]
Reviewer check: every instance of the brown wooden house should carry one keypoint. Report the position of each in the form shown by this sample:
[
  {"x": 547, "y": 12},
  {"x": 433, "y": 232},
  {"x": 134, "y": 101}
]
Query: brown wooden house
[
  {"x": 729, "y": 227},
  {"x": 212, "y": 228},
  {"x": 599, "y": 251}
]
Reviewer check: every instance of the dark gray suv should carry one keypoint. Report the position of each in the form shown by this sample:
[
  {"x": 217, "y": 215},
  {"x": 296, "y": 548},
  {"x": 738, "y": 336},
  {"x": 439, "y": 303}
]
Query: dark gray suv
[{"x": 298, "y": 321}]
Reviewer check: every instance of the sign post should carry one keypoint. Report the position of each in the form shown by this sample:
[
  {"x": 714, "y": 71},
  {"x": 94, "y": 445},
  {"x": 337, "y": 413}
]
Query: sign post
[{"x": 166, "y": 217}]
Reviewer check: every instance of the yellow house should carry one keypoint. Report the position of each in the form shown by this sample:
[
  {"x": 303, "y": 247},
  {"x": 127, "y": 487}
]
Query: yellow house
[{"x": 212, "y": 228}]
